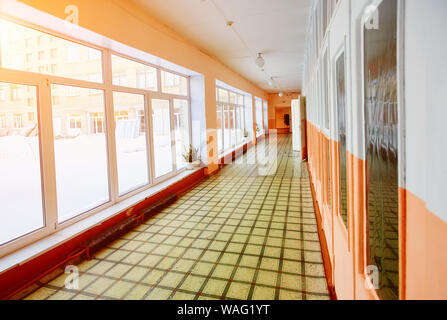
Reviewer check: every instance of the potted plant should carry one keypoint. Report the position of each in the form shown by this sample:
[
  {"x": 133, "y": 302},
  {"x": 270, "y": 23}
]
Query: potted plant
[{"x": 191, "y": 156}]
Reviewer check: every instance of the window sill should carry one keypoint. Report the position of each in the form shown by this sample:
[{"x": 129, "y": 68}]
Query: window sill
[
  {"x": 230, "y": 151},
  {"x": 33, "y": 250}
]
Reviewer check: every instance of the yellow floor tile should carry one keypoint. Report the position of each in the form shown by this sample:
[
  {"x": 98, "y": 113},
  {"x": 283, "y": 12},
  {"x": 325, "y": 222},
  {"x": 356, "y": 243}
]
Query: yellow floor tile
[{"x": 238, "y": 291}]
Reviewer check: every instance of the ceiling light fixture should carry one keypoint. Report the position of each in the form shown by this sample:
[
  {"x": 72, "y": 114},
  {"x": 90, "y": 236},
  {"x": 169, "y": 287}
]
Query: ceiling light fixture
[{"x": 260, "y": 62}]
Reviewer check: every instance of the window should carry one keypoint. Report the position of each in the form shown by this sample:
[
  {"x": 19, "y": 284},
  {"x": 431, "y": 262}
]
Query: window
[
  {"x": 131, "y": 143},
  {"x": 120, "y": 79},
  {"x": 227, "y": 127},
  {"x": 53, "y": 53},
  {"x": 73, "y": 91},
  {"x": 341, "y": 112},
  {"x": 174, "y": 84},
  {"x": 15, "y": 93},
  {"x": 96, "y": 122},
  {"x": 19, "y": 171},
  {"x": 128, "y": 73},
  {"x": 94, "y": 54},
  {"x": 3, "y": 121},
  {"x": 82, "y": 131},
  {"x": 18, "y": 121},
  {"x": 121, "y": 115},
  {"x": 259, "y": 120},
  {"x": 230, "y": 119},
  {"x": 161, "y": 121},
  {"x": 80, "y": 154},
  {"x": 382, "y": 149},
  {"x": 219, "y": 128},
  {"x": 74, "y": 53},
  {"x": 181, "y": 129},
  {"x": 324, "y": 92},
  {"x": 75, "y": 121},
  {"x": 147, "y": 80},
  {"x": 222, "y": 95}
]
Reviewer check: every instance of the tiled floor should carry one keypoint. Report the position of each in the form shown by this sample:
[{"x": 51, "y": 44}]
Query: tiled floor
[{"x": 237, "y": 235}]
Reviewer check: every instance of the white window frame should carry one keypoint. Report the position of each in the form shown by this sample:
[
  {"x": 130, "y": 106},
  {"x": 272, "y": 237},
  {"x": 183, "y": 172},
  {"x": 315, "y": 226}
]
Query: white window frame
[{"x": 42, "y": 82}]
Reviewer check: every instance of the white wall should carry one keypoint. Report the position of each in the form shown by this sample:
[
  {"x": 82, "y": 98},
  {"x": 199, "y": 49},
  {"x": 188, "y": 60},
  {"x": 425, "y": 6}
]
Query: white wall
[{"x": 425, "y": 101}]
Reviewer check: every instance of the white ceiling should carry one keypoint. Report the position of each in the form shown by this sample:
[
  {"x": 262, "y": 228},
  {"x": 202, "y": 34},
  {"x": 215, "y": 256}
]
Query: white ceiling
[{"x": 276, "y": 28}]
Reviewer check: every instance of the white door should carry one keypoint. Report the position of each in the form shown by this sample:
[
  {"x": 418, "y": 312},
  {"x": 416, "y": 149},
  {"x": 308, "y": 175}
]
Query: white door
[{"x": 296, "y": 124}]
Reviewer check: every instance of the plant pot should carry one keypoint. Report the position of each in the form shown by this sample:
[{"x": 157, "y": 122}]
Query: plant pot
[{"x": 193, "y": 165}]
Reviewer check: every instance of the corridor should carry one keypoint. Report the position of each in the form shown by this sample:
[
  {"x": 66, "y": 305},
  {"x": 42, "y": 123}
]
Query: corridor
[{"x": 236, "y": 235}]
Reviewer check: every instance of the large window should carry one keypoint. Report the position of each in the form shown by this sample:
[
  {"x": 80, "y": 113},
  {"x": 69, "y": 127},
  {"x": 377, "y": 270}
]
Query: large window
[
  {"x": 76, "y": 141},
  {"x": 231, "y": 129}
]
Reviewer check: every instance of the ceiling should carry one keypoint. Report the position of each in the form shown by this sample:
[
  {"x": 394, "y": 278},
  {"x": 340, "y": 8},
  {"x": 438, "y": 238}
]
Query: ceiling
[{"x": 275, "y": 28}]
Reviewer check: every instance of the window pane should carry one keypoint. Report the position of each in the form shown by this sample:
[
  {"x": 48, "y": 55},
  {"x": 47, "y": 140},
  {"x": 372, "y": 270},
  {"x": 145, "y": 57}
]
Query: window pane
[
  {"x": 232, "y": 126},
  {"x": 222, "y": 95},
  {"x": 219, "y": 128},
  {"x": 161, "y": 120},
  {"x": 128, "y": 73},
  {"x": 182, "y": 138},
  {"x": 240, "y": 100},
  {"x": 80, "y": 150},
  {"x": 131, "y": 144},
  {"x": 239, "y": 124},
  {"x": 226, "y": 127},
  {"x": 233, "y": 98},
  {"x": 35, "y": 51},
  {"x": 173, "y": 83},
  {"x": 19, "y": 163},
  {"x": 325, "y": 92},
  {"x": 258, "y": 105}
]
